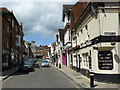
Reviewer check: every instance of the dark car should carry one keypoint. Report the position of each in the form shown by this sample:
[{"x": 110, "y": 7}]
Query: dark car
[
  {"x": 45, "y": 63},
  {"x": 26, "y": 66},
  {"x": 33, "y": 60}
]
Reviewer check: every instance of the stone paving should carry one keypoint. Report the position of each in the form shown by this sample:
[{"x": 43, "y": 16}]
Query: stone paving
[{"x": 83, "y": 81}]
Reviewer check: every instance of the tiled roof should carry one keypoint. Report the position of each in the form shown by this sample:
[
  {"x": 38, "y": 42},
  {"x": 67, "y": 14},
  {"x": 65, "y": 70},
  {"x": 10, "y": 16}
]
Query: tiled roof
[{"x": 5, "y": 10}]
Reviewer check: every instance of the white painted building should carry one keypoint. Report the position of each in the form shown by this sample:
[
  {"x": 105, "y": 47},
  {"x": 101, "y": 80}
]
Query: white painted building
[
  {"x": 52, "y": 52},
  {"x": 67, "y": 45},
  {"x": 59, "y": 46},
  {"x": 97, "y": 33},
  {"x": 67, "y": 35}
]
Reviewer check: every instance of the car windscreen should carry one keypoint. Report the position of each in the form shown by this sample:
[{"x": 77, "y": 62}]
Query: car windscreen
[
  {"x": 44, "y": 61},
  {"x": 26, "y": 63}
]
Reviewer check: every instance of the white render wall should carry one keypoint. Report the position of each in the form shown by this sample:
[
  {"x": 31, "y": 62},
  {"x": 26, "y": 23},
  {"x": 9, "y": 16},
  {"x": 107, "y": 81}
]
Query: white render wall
[
  {"x": 67, "y": 38},
  {"x": 74, "y": 41},
  {"x": 59, "y": 44},
  {"x": 105, "y": 22}
]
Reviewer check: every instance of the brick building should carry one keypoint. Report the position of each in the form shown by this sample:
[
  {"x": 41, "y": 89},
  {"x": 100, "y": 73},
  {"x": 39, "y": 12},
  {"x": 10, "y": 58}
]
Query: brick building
[
  {"x": 42, "y": 51},
  {"x": 12, "y": 39}
]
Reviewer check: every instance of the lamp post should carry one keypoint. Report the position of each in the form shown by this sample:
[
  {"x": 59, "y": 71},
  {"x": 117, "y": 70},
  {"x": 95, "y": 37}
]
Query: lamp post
[{"x": 29, "y": 44}]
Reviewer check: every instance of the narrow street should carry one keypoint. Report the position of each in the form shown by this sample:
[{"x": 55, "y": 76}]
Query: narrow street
[
  {"x": 42, "y": 77},
  {"x": 78, "y": 39}
]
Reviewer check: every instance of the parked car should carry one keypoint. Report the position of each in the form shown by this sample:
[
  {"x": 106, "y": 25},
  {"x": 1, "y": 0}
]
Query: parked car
[
  {"x": 33, "y": 60},
  {"x": 45, "y": 63},
  {"x": 47, "y": 60},
  {"x": 26, "y": 66}
]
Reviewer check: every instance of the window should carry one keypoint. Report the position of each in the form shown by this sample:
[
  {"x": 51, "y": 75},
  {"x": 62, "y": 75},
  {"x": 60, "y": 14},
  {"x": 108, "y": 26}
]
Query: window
[
  {"x": 81, "y": 36},
  {"x": 8, "y": 29},
  {"x": 7, "y": 43},
  {"x": 90, "y": 66},
  {"x": 105, "y": 60},
  {"x": 16, "y": 28},
  {"x": 69, "y": 35},
  {"x": 85, "y": 60},
  {"x": 81, "y": 31},
  {"x": 86, "y": 27},
  {"x": 18, "y": 40},
  {"x": 12, "y": 23}
]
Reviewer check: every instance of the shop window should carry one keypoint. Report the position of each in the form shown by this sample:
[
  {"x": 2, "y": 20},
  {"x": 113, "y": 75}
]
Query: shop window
[
  {"x": 5, "y": 58},
  {"x": 85, "y": 60},
  {"x": 105, "y": 60}
]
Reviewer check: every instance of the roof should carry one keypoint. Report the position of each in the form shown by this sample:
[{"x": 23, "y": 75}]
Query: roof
[
  {"x": 66, "y": 9},
  {"x": 53, "y": 44},
  {"x": 77, "y": 10},
  {"x": 5, "y": 11}
]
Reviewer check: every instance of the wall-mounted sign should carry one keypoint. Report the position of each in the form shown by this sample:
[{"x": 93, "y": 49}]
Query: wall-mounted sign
[
  {"x": 109, "y": 33},
  {"x": 86, "y": 44},
  {"x": 105, "y": 60}
]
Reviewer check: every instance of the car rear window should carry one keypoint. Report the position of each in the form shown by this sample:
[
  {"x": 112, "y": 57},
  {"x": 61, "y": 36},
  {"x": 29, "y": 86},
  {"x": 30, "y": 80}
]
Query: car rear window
[{"x": 45, "y": 61}]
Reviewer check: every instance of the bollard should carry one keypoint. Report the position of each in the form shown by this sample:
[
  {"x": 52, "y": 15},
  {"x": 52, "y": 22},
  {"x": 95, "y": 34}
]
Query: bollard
[
  {"x": 91, "y": 79},
  {"x": 59, "y": 65},
  {"x": 56, "y": 64}
]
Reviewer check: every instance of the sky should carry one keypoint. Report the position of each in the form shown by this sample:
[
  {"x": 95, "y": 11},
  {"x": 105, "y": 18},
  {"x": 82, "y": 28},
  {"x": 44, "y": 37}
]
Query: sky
[{"x": 41, "y": 19}]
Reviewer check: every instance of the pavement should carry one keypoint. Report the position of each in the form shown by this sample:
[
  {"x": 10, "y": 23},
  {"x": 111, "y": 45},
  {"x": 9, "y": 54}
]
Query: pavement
[
  {"x": 84, "y": 81},
  {"x": 7, "y": 73}
]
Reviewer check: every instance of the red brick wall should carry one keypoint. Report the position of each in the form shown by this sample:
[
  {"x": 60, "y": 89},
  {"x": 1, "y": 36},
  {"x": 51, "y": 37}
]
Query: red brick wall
[
  {"x": 76, "y": 11},
  {"x": 7, "y": 16},
  {"x": 5, "y": 34}
]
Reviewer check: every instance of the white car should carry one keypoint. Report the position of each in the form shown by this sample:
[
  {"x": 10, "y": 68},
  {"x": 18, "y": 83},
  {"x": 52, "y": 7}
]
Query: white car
[{"x": 45, "y": 63}]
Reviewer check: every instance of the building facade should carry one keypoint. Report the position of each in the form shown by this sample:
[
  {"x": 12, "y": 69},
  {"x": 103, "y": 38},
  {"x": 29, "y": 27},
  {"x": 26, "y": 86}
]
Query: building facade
[
  {"x": 67, "y": 34},
  {"x": 33, "y": 48},
  {"x": 42, "y": 51},
  {"x": 60, "y": 55},
  {"x": 95, "y": 40},
  {"x": 52, "y": 54},
  {"x": 12, "y": 39}
]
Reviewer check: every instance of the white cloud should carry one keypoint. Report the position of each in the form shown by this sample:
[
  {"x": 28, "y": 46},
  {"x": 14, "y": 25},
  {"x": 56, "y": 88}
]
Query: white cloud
[{"x": 44, "y": 18}]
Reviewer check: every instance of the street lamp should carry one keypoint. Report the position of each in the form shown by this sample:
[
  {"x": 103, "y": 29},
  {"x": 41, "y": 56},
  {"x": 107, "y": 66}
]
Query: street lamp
[{"x": 29, "y": 44}]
